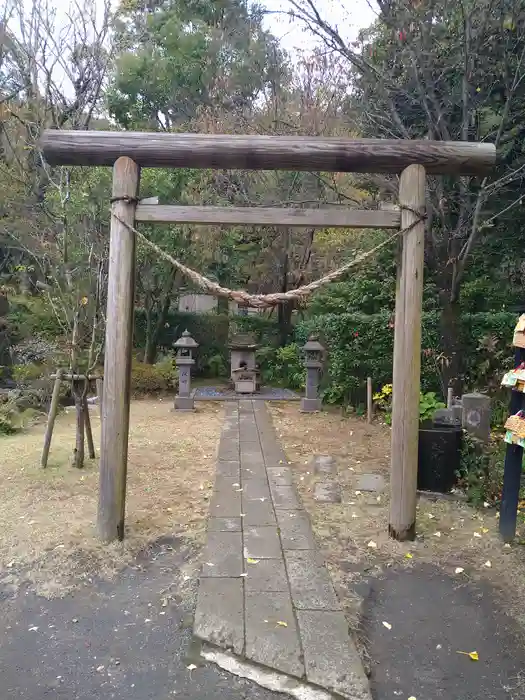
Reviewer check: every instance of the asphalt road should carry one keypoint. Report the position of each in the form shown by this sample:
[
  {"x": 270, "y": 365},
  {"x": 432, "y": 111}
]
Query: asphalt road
[{"x": 112, "y": 640}]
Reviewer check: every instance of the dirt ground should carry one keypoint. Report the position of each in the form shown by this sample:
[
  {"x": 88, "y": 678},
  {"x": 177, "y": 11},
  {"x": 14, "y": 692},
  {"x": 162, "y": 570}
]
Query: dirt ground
[
  {"x": 462, "y": 541},
  {"x": 47, "y": 519}
]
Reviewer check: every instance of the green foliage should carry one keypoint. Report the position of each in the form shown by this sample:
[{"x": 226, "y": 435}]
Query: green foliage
[
  {"x": 186, "y": 56},
  {"x": 481, "y": 471},
  {"x": 428, "y": 405},
  {"x": 217, "y": 366},
  {"x": 361, "y": 346},
  {"x": 32, "y": 316},
  {"x": 27, "y": 373},
  {"x": 153, "y": 379},
  {"x": 282, "y": 366},
  {"x": 265, "y": 329}
]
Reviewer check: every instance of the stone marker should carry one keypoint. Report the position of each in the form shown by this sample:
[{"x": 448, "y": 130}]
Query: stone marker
[
  {"x": 324, "y": 464},
  {"x": 476, "y": 415},
  {"x": 327, "y": 492},
  {"x": 371, "y": 482},
  {"x": 446, "y": 416}
]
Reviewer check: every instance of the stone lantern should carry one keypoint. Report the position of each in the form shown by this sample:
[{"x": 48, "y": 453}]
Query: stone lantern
[
  {"x": 184, "y": 360},
  {"x": 313, "y": 352}
]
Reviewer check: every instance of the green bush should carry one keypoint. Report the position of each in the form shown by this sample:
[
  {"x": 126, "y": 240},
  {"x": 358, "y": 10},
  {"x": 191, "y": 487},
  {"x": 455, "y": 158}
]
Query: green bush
[
  {"x": 481, "y": 471},
  {"x": 210, "y": 331},
  {"x": 153, "y": 379},
  {"x": 27, "y": 373},
  {"x": 282, "y": 366},
  {"x": 361, "y": 346}
]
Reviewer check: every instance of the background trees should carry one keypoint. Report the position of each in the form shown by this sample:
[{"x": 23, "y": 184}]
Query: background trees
[{"x": 428, "y": 69}]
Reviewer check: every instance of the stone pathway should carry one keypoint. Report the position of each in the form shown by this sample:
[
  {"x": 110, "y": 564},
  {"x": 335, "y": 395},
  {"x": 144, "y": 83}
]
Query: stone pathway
[{"x": 264, "y": 592}]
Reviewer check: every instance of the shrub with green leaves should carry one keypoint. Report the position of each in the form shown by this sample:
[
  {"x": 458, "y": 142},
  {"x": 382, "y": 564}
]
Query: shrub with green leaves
[
  {"x": 153, "y": 379},
  {"x": 282, "y": 366}
]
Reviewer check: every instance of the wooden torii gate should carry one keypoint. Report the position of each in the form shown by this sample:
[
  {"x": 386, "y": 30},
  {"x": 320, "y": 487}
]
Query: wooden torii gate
[{"x": 127, "y": 152}]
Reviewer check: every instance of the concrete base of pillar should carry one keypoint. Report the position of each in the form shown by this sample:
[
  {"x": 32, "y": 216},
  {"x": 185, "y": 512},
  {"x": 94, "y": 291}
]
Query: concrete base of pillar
[
  {"x": 310, "y": 405},
  {"x": 184, "y": 403}
]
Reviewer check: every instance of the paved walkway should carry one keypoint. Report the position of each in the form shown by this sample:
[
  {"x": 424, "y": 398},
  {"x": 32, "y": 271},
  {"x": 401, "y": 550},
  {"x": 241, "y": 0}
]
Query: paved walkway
[{"x": 264, "y": 592}]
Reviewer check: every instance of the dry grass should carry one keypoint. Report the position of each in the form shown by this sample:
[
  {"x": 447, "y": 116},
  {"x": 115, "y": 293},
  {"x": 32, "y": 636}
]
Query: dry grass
[
  {"x": 47, "y": 520},
  {"x": 467, "y": 538}
]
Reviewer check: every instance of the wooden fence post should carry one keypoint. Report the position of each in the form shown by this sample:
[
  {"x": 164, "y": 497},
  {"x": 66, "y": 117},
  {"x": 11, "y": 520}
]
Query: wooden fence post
[
  {"x": 118, "y": 352},
  {"x": 407, "y": 357},
  {"x": 53, "y": 410}
]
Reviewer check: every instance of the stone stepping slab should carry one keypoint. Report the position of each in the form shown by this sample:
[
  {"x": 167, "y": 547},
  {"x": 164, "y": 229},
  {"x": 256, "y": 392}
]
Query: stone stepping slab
[{"x": 264, "y": 592}]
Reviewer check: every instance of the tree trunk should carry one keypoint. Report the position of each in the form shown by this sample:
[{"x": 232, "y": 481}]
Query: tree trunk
[
  {"x": 451, "y": 366},
  {"x": 78, "y": 455},
  {"x": 152, "y": 339},
  {"x": 285, "y": 321}
]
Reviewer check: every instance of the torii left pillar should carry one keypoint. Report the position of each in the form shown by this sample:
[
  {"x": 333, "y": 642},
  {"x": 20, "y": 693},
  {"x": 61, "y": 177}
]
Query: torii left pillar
[{"x": 118, "y": 352}]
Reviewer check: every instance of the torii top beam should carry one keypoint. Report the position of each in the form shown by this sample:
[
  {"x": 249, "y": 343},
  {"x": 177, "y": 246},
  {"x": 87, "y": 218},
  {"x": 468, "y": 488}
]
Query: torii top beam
[{"x": 223, "y": 151}]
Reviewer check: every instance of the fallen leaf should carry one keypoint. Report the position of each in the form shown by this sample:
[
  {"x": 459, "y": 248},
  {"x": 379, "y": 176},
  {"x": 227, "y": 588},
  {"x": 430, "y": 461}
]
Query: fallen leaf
[
  {"x": 32, "y": 629},
  {"x": 486, "y": 505},
  {"x": 409, "y": 556},
  {"x": 437, "y": 534},
  {"x": 459, "y": 570},
  {"x": 372, "y": 544},
  {"x": 506, "y": 546},
  {"x": 100, "y": 668},
  {"x": 209, "y": 563},
  {"x": 282, "y": 624},
  {"x": 471, "y": 654},
  {"x": 430, "y": 516},
  {"x": 358, "y": 493},
  {"x": 387, "y": 625},
  {"x": 252, "y": 561},
  {"x": 484, "y": 530},
  {"x": 412, "y": 697},
  {"x": 191, "y": 667},
  {"x": 476, "y": 534},
  {"x": 487, "y": 564}
]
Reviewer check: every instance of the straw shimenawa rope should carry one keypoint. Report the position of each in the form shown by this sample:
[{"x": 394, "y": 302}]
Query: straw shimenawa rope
[{"x": 265, "y": 301}]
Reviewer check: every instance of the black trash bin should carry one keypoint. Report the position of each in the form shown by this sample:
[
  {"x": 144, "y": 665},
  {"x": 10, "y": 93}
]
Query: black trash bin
[{"x": 439, "y": 455}]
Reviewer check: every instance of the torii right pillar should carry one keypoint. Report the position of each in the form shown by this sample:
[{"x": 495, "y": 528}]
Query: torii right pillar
[{"x": 407, "y": 356}]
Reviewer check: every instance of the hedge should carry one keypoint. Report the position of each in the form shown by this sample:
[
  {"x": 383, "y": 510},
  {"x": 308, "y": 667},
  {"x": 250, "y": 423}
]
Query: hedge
[{"x": 361, "y": 346}]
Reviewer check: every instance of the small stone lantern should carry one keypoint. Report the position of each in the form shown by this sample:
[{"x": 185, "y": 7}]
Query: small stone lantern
[
  {"x": 184, "y": 360},
  {"x": 313, "y": 351}
]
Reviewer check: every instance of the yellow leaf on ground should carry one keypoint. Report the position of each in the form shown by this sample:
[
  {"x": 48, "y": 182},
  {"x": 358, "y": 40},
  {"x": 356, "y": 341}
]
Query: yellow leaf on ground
[
  {"x": 282, "y": 624},
  {"x": 252, "y": 561},
  {"x": 411, "y": 698},
  {"x": 484, "y": 530},
  {"x": 387, "y": 625},
  {"x": 471, "y": 654},
  {"x": 488, "y": 564},
  {"x": 409, "y": 556}
]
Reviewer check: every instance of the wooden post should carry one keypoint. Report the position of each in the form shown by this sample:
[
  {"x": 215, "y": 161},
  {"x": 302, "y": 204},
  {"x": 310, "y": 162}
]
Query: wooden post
[
  {"x": 78, "y": 455},
  {"x": 118, "y": 351},
  {"x": 89, "y": 432},
  {"x": 100, "y": 392},
  {"x": 508, "y": 513},
  {"x": 407, "y": 358},
  {"x": 450, "y": 397},
  {"x": 53, "y": 410},
  {"x": 369, "y": 400}
]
